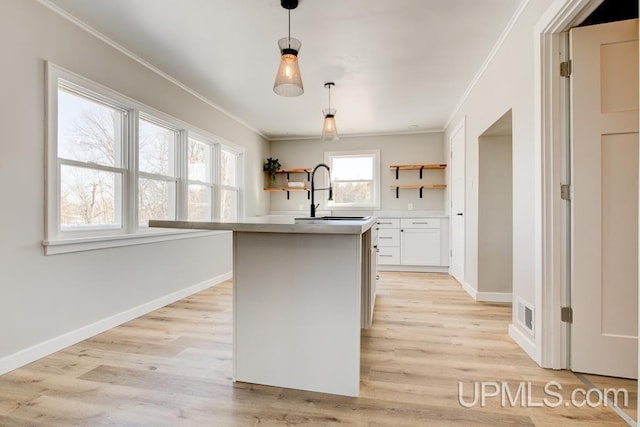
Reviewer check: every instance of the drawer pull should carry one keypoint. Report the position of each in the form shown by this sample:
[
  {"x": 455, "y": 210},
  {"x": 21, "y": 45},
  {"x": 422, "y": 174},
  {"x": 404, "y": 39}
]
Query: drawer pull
[
  {"x": 425, "y": 223},
  {"x": 387, "y": 256},
  {"x": 384, "y": 237},
  {"x": 388, "y": 223}
]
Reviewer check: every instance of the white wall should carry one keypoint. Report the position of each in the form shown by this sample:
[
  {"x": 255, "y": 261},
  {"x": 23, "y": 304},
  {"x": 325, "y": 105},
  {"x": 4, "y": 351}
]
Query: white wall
[
  {"x": 495, "y": 201},
  {"x": 396, "y": 149},
  {"x": 507, "y": 83},
  {"x": 43, "y": 297}
]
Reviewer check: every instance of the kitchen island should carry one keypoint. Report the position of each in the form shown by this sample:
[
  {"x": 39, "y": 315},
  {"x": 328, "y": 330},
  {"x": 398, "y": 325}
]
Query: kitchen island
[{"x": 302, "y": 290}]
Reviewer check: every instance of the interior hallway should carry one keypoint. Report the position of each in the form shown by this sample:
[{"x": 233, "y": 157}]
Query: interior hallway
[{"x": 173, "y": 367}]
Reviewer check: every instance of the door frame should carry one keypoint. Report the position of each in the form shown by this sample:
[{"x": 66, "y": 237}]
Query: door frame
[
  {"x": 460, "y": 127},
  {"x": 551, "y": 139}
]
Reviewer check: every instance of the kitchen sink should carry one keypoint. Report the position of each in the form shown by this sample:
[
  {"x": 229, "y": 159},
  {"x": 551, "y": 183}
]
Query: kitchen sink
[{"x": 334, "y": 218}]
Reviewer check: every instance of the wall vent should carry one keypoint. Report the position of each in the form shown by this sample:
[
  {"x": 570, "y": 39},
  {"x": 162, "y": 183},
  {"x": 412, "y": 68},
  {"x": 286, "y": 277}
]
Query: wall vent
[{"x": 525, "y": 315}]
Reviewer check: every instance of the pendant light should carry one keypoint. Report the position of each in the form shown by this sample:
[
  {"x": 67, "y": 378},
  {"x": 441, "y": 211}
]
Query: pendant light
[
  {"x": 329, "y": 131},
  {"x": 288, "y": 78}
]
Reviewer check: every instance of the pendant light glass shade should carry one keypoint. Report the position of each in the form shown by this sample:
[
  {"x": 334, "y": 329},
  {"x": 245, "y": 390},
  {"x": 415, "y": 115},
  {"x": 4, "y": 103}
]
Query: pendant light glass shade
[
  {"x": 288, "y": 78},
  {"x": 329, "y": 130}
]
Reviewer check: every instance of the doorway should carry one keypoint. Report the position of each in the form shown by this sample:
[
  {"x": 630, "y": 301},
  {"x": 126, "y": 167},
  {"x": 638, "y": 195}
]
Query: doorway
[
  {"x": 457, "y": 144},
  {"x": 495, "y": 212},
  {"x": 558, "y": 205}
]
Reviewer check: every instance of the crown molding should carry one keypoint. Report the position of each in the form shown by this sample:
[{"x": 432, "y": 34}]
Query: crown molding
[
  {"x": 355, "y": 135},
  {"x": 487, "y": 61},
  {"x": 102, "y": 37}
]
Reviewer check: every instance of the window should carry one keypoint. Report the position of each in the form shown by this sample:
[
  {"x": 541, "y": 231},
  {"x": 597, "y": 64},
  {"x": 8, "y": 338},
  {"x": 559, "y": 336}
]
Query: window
[
  {"x": 200, "y": 173},
  {"x": 229, "y": 184},
  {"x": 355, "y": 179},
  {"x": 91, "y": 162},
  {"x": 113, "y": 164},
  {"x": 157, "y": 171}
]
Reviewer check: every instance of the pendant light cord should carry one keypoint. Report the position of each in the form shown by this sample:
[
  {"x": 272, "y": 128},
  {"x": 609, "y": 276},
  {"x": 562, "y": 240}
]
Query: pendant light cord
[
  {"x": 329, "y": 97},
  {"x": 289, "y": 29}
]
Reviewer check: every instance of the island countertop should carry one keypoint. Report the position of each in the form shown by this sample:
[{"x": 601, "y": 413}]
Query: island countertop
[{"x": 275, "y": 225}]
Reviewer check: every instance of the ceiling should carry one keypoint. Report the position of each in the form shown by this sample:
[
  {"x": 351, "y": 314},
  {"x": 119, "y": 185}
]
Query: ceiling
[{"x": 399, "y": 66}]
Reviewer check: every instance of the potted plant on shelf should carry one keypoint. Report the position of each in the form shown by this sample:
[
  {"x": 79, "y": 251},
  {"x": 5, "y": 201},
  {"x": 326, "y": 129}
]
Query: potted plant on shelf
[{"x": 271, "y": 166}]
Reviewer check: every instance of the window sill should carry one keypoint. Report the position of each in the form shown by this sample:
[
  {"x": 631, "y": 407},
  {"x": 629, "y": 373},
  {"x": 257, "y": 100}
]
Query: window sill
[{"x": 63, "y": 246}]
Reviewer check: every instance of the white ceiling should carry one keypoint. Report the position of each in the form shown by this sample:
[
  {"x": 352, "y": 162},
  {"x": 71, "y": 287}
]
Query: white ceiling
[{"x": 399, "y": 66}]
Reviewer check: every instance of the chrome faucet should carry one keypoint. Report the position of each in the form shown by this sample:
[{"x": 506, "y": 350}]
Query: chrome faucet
[{"x": 313, "y": 188}]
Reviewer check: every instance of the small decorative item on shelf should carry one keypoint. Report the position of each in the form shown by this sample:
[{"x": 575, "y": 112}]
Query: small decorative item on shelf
[
  {"x": 294, "y": 184},
  {"x": 271, "y": 166}
]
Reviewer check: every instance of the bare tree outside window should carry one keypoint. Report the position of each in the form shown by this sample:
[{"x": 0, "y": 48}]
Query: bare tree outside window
[
  {"x": 157, "y": 165},
  {"x": 88, "y": 139},
  {"x": 200, "y": 205},
  {"x": 229, "y": 185}
]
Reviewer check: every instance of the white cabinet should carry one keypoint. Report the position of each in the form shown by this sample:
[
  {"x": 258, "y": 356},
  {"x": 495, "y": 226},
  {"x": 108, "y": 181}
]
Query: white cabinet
[
  {"x": 388, "y": 241},
  {"x": 420, "y": 246},
  {"x": 406, "y": 243},
  {"x": 369, "y": 276}
]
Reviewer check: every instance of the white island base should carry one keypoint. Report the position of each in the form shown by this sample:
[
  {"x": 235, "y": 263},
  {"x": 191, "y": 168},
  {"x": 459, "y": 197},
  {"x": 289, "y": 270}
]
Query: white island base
[
  {"x": 296, "y": 307},
  {"x": 301, "y": 293}
]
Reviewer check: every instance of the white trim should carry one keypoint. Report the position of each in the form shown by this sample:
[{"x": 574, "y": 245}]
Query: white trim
[
  {"x": 352, "y": 135},
  {"x": 506, "y": 297},
  {"x": 63, "y": 13},
  {"x": 460, "y": 127},
  {"x": 550, "y": 287},
  {"x": 487, "y": 61},
  {"x": 35, "y": 352},
  {"x": 375, "y": 203},
  {"x": 65, "y": 246},
  {"x": 57, "y": 241},
  {"x": 523, "y": 341},
  {"x": 415, "y": 268},
  {"x": 470, "y": 290}
]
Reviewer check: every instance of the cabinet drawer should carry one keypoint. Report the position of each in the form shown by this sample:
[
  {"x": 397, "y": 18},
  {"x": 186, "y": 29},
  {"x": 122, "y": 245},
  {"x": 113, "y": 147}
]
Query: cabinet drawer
[
  {"x": 420, "y": 223},
  {"x": 388, "y": 223},
  {"x": 389, "y": 255},
  {"x": 389, "y": 237}
]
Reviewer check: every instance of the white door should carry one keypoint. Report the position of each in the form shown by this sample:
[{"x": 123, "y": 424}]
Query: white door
[
  {"x": 457, "y": 144},
  {"x": 604, "y": 126}
]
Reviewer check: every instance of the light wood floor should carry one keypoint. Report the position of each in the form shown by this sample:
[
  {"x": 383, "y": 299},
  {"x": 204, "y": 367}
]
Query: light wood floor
[{"x": 173, "y": 367}]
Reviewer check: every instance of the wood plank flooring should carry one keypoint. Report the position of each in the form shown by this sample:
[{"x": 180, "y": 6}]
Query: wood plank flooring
[{"x": 172, "y": 367}]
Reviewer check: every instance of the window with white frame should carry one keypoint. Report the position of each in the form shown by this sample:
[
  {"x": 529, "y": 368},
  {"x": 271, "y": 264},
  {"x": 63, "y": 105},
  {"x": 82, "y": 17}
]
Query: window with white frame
[
  {"x": 113, "y": 164},
  {"x": 91, "y": 161},
  {"x": 229, "y": 184},
  {"x": 201, "y": 180},
  {"x": 355, "y": 177},
  {"x": 157, "y": 170}
]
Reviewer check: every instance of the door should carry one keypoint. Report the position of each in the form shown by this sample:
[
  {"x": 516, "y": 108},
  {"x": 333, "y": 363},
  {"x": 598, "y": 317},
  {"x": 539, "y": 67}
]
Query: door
[
  {"x": 457, "y": 144},
  {"x": 604, "y": 128}
]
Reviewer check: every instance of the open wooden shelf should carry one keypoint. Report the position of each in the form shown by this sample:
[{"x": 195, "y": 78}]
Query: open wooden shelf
[
  {"x": 417, "y": 167},
  {"x": 286, "y": 189},
  {"x": 288, "y": 173},
  {"x": 299, "y": 170},
  {"x": 289, "y": 189},
  {"x": 416, "y": 187},
  {"x": 420, "y": 168}
]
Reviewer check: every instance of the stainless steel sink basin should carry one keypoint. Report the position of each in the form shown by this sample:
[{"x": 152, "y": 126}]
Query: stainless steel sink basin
[{"x": 335, "y": 218}]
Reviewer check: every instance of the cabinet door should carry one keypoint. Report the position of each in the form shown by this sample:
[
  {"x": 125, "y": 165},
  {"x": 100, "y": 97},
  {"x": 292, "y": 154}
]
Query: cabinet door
[{"x": 420, "y": 246}]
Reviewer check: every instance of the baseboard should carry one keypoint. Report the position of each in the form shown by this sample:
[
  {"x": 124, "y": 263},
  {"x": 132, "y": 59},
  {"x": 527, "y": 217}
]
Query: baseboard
[
  {"x": 487, "y": 296},
  {"x": 524, "y": 341},
  {"x": 494, "y": 297},
  {"x": 417, "y": 269},
  {"x": 470, "y": 290},
  {"x": 38, "y": 351}
]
